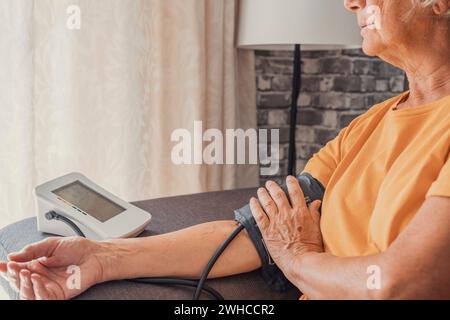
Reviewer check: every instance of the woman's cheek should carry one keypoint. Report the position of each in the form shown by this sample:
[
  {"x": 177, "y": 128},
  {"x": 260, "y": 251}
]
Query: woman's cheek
[{"x": 372, "y": 44}]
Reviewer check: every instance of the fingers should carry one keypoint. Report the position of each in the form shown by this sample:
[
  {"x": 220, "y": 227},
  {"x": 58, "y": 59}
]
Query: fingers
[
  {"x": 295, "y": 193},
  {"x": 26, "y": 287},
  {"x": 33, "y": 287},
  {"x": 35, "y": 251},
  {"x": 267, "y": 203},
  {"x": 3, "y": 268},
  {"x": 258, "y": 213},
  {"x": 30, "y": 286},
  {"x": 277, "y": 194},
  {"x": 12, "y": 275},
  {"x": 314, "y": 210},
  {"x": 40, "y": 291},
  {"x": 51, "y": 289},
  {"x": 33, "y": 266}
]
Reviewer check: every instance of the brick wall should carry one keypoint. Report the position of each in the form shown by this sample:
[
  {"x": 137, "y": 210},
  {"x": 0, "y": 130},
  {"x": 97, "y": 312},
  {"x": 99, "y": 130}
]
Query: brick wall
[{"x": 337, "y": 86}]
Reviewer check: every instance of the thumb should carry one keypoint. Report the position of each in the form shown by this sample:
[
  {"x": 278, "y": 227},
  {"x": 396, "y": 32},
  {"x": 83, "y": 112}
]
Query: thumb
[
  {"x": 51, "y": 262},
  {"x": 315, "y": 206},
  {"x": 34, "y": 251}
]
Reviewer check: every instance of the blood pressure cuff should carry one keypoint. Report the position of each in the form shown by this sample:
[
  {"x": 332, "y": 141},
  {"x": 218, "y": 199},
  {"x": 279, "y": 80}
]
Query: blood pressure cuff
[{"x": 313, "y": 190}]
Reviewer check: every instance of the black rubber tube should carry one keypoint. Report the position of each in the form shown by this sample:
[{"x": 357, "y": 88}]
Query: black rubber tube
[
  {"x": 199, "y": 285},
  {"x": 178, "y": 282},
  {"x": 52, "y": 215},
  {"x": 213, "y": 260}
]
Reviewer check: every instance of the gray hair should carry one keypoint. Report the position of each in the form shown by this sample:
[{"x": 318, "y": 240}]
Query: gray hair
[{"x": 427, "y": 3}]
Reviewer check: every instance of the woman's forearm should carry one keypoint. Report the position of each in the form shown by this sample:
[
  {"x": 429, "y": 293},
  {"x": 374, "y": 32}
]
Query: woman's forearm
[
  {"x": 323, "y": 276},
  {"x": 181, "y": 254},
  {"x": 415, "y": 266}
]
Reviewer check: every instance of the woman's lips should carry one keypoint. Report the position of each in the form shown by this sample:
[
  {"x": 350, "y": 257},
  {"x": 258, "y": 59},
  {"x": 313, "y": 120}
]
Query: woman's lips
[{"x": 367, "y": 28}]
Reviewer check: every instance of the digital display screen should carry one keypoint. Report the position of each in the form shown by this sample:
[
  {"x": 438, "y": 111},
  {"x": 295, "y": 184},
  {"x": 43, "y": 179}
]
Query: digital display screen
[{"x": 89, "y": 201}]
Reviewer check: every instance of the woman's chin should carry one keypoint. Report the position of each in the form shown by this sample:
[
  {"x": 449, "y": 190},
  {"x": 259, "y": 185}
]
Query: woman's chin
[{"x": 371, "y": 48}]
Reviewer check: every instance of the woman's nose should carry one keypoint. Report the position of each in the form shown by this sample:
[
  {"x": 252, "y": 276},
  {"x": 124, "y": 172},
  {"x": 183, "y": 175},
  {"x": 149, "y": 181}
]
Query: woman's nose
[{"x": 355, "y": 5}]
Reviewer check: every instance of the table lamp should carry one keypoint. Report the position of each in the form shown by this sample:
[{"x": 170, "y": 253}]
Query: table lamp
[{"x": 296, "y": 25}]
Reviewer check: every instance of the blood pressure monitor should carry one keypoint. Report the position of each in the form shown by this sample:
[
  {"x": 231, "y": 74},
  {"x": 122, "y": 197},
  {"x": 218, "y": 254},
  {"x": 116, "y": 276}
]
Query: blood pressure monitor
[{"x": 73, "y": 205}]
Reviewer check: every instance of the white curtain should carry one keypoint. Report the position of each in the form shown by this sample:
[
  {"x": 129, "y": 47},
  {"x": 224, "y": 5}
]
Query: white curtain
[{"x": 103, "y": 100}]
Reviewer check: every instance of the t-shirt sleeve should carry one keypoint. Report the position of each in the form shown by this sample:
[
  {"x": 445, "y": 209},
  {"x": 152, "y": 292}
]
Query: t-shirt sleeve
[
  {"x": 441, "y": 186},
  {"x": 323, "y": 164}
]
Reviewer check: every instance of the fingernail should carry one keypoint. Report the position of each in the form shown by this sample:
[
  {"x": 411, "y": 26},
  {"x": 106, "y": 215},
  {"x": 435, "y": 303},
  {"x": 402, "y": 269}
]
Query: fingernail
[
  {"x": 35, "y": 277},
  {"x": 12, "y": 272}
]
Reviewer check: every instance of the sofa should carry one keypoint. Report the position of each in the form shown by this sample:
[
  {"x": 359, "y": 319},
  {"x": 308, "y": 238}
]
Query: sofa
[{"x": 169, "y": 214}]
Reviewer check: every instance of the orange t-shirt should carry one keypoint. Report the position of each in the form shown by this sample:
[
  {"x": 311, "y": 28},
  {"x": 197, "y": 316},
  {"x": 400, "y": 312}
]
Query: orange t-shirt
[{"x": 379, "y": 171}]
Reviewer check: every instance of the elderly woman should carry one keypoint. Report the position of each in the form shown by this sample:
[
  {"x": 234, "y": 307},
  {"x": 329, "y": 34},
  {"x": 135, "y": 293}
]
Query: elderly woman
[{"x": 386, "y": 207}]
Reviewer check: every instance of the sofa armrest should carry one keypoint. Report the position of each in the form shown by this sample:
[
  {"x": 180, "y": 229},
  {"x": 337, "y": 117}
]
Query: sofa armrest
[{"x": 169, "y": 214}]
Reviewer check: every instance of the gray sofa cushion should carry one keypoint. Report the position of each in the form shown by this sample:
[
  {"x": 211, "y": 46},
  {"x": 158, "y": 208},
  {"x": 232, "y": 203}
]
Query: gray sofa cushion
[{"x": 169, "y": 214}]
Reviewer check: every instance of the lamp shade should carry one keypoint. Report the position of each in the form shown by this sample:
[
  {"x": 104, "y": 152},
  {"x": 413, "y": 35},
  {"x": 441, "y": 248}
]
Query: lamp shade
[{"x": 280, "y": 24}]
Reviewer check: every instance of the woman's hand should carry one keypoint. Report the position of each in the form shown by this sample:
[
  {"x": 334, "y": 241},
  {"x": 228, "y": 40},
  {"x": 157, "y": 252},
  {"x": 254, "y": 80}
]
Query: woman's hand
[
  {"x": 42, "y": 270},
  {"x": 289, "y": 229}
]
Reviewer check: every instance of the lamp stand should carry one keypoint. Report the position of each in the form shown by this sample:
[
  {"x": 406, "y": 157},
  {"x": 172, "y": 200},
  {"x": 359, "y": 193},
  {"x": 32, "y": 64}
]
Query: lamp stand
[{"x": 296, "y": 87}]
